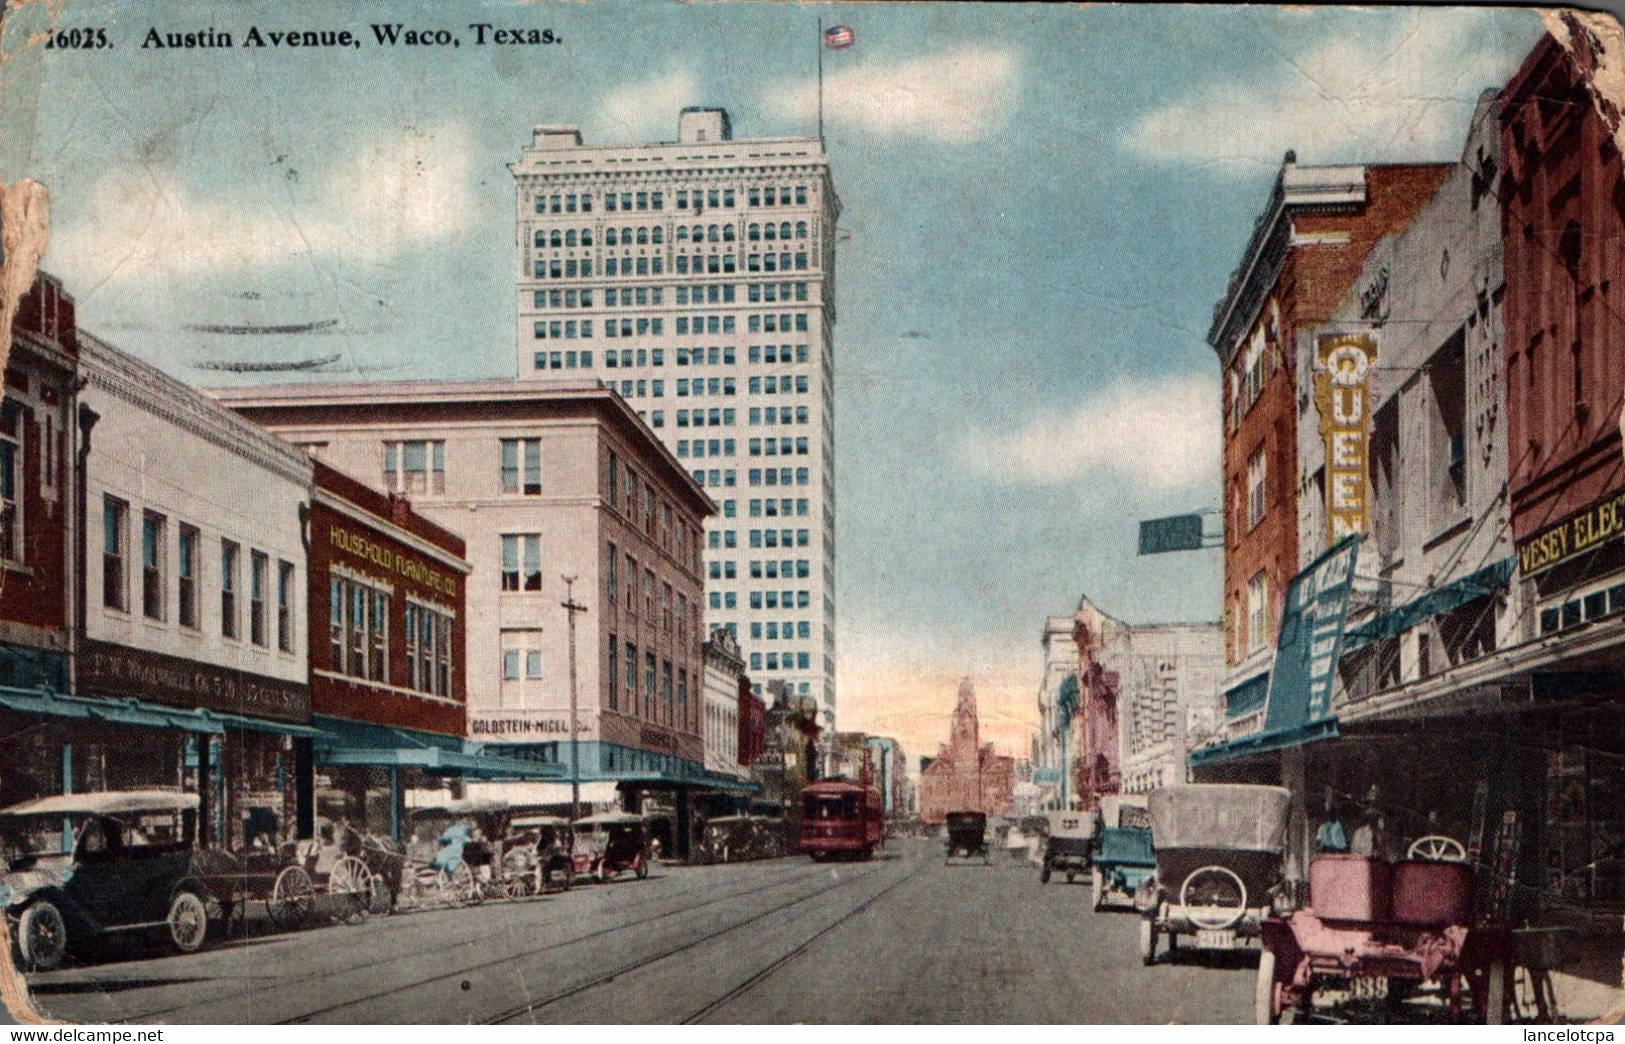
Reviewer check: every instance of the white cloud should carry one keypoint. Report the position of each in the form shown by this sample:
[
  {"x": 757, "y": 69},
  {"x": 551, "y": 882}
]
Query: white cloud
[
  {"x": 956, "y": 95},
  {"x": 1401, "y": 94},
  {"x": 390, "y": 195},
  {"x": 1158, "y": 436},
  {"x": 647, "y": 110}
]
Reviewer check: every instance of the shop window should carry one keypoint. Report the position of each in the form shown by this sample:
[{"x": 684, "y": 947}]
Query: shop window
[
  {"x": 258, "y": 567},
  {"x": 11, "y": 462},
  {"x": 153, "y": 529},
  {"x": 522, "y": 466},
  {"x": 428, "y": 649},
  {"x": 1256, "y": 486},
  {"x": 415, "y": 466},
  {"x": 115, "y": 552},
  {"x": 230, "y": 558},
  {"x": 522, "y": 562},
  {"x": 186, "y": 565},
  {"x": 284, "y": 606},
  {"x": 1258, "y": 611}
]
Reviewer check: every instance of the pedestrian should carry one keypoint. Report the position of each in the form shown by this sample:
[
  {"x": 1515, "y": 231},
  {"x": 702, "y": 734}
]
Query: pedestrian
[{"x": 1331, "y": 837}]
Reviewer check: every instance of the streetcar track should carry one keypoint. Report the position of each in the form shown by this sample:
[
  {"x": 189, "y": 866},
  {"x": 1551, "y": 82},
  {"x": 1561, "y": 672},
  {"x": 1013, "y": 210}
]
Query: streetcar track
[
  {"x": 646, "y": 961},
  {"x": 795, "y": 954},
  {"x": 383, "y": 924},
  {"x": 729, "y": 896}
]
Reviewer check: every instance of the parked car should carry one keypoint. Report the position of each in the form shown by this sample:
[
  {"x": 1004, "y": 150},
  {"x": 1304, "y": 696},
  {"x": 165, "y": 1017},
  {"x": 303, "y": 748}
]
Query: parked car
[{"x": 80, "y": 866}]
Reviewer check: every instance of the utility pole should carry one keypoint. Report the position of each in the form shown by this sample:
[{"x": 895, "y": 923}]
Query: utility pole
[{"x": 572, "y": 608}]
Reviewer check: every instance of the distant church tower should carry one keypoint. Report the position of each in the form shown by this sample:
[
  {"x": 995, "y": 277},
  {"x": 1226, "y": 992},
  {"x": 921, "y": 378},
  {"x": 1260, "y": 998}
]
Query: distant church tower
[
  {"x": 966, "y": 777},
  {"x": 967, "y": 733}
]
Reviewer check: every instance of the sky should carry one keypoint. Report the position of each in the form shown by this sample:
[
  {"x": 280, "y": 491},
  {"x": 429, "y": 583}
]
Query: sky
[{"x": 1041, "y": 205}]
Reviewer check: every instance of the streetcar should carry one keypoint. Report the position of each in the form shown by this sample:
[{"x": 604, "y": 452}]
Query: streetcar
[{"x": 841, "y": 819}]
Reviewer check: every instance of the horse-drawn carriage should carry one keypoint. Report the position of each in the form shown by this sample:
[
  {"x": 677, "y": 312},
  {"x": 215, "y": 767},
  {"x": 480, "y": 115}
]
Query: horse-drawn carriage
[{"x": 291, "y": 877}]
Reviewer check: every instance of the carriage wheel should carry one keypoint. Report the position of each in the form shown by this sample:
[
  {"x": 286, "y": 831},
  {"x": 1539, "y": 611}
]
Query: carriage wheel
[
  {"x": 459, "y": 887},
  {"x": 1043, "y": 875},
  {"x": 1148, "y": 941},
  {"x": 1097, "y": 889},
  {"x": 1438, "y": 849},
  {"x": 352, "y": 880},
  {"x": 289, "y": 902}
]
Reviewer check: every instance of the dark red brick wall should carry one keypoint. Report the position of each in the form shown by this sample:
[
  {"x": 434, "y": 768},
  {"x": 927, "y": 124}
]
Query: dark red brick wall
[
  {"x": 1563, "y": 225},
  {"x": 1308, "y": 289},
  {"x": 44, "y": 347},
  {"x": 358, "y": 700}
]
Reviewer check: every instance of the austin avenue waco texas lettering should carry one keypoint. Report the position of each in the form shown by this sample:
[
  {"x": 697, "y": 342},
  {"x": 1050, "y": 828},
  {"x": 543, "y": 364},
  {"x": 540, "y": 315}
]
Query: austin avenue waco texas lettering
[{"x": 391, "y": 560}]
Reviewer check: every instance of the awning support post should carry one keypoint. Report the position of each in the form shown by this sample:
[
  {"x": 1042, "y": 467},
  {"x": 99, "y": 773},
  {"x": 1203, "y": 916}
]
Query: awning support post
[
  {"x": 67, "y": 788},
  {"x": 394, "y": 802}
]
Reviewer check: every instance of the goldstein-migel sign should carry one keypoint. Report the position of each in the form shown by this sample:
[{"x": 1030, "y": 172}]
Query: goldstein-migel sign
[{"x": 1343, "y": 398}]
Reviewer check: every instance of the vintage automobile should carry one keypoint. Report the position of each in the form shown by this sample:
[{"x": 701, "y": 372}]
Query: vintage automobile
[
  {"x": 79, "y": 866},
  {"x": 967, "y": 836},
  {"x": 610, "y": 843},
  {"x": 1124, "y": 856},
  {"x": 1069, "y": 846},
  {"x": 1379, "y": 929},
  {"x": 1219, "y": 853}
]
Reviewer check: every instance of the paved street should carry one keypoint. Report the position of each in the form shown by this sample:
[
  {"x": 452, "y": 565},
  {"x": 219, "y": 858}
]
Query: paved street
[{"x": 899, "y": 939}]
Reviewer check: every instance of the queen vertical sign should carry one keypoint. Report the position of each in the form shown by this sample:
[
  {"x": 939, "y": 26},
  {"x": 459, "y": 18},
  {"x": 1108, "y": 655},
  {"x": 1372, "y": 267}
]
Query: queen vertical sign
[{"x": 1343, "y": 399}]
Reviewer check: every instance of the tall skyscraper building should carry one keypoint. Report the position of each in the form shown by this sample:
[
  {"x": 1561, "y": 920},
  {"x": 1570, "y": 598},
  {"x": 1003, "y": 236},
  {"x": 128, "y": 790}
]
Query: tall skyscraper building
[{"x": 697, "y": 278}]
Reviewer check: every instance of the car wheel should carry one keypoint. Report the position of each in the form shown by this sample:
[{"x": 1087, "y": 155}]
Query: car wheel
[
  {"x": 42, "y": 937},
  {"x": 187, "y": 921}
]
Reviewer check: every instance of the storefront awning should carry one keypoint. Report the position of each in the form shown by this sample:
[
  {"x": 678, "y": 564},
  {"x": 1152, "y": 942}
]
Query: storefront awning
[
  {"x": 139, "y": 712},
  {"x": 1486, "y": 581},
  {"x": 342, "y": 742},
  {"x": 1264, "y": 742}
]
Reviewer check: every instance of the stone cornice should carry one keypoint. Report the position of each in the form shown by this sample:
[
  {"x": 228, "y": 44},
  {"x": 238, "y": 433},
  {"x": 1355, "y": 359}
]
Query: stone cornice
[{"x": 119, "y": 374}]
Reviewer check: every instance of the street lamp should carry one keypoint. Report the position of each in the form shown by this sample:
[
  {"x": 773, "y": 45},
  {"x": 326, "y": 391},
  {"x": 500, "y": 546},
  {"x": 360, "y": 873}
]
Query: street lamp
[{"x": 572, "y": 608}]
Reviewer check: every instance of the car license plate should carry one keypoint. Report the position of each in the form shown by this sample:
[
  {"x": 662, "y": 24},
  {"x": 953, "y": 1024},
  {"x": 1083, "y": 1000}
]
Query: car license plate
[{"x": 1215, "y": 939}]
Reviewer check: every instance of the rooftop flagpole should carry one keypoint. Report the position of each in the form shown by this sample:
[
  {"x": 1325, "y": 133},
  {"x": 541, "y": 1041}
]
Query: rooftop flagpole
[{"x": 820, "y": 80}]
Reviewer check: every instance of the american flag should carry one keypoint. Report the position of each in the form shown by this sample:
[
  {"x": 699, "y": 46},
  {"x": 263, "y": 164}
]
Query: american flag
[{"x": 839, "y": 37}]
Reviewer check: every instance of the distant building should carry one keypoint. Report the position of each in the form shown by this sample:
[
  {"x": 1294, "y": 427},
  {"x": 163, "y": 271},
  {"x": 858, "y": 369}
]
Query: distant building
[
  {"x": 724, "y": 670},
  {"x": 1052, "y": 759},
  {"x": 547, "y": 479},
  {"x": 966, "y": 776},
  {"x": 697, "y": 278},
  {"x": 1305, "y": 252}
]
